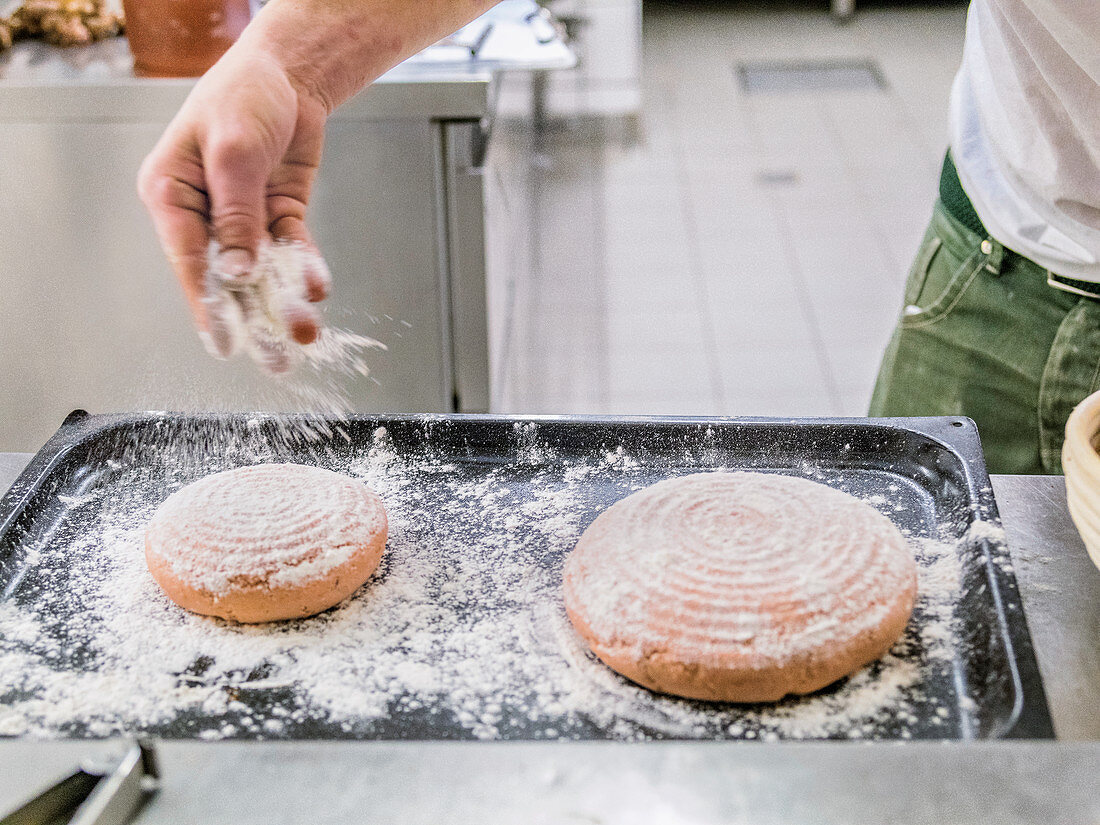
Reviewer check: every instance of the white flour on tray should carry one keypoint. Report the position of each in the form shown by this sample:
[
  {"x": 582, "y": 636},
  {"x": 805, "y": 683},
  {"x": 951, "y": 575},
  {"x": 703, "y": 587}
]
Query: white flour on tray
[{"x": 461, "y": 628}]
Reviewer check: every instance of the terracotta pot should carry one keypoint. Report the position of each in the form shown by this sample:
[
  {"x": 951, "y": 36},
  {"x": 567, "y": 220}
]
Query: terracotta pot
[{"x": 182, "y": 38}]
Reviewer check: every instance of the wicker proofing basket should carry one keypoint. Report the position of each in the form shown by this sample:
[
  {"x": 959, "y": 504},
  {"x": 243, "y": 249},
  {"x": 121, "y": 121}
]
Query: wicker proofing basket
[{"x": 1081, "y": 464}]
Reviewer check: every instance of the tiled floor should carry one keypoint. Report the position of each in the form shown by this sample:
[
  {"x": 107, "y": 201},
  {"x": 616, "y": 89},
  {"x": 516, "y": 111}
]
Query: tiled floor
[{"x": 728, "y": 254}]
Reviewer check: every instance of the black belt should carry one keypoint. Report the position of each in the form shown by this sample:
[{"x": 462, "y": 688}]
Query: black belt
[{"x": 959, "y": 207}]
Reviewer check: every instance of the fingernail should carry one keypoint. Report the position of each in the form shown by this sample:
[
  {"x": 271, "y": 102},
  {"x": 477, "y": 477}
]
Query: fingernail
[
  {"x": 219, "y": 337},
  {"x": 233, "y": 264},
  {"x": 318, "y": 278},
  {"x": 218, "y": 342},
  {"x": 210, "y": 346},
  {"x": 303, "y": 321}
]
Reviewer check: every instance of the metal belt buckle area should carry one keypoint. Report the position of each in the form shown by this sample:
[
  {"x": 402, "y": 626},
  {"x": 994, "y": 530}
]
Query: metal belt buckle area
[{"x": 1087, "y": 290}]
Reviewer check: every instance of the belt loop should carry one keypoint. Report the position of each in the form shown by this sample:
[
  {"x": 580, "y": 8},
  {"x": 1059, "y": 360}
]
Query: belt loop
[{"x": 994, "y": 256}]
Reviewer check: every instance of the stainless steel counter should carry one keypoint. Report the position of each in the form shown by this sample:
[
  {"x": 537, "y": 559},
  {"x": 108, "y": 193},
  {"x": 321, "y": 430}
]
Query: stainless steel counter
[
  {"x": 1060, "y": 588},
  {"x": 41, "y": 83},
  {"x": 676, "y": 783},
  {"x": 611, "y": 784},
  {"x": 91, "y": 316}
]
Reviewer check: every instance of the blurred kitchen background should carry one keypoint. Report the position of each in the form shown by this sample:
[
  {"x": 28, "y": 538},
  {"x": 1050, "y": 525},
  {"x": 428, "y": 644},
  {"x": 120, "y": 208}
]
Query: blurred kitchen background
[
  {"x": 738, "y": 246},
  {"x": 711, "y": 212}
]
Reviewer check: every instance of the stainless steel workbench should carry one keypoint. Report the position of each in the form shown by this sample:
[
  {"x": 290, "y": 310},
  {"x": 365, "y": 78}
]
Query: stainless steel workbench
[
  {"x": 91, "y": 316},
  {"x": 676, "y": 783}
]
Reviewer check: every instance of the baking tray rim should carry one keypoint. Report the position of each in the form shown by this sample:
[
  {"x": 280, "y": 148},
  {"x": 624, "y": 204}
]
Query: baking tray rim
[{"x": 79, "y": 426}]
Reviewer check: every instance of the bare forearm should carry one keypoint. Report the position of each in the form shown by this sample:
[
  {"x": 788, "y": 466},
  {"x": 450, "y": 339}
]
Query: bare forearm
[{"x": 332, "y": 48}]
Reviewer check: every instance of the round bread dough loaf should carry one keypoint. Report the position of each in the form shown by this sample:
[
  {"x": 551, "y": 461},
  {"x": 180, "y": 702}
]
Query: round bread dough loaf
[
  {"x": 739, "y": 587},
  {"x": 267, "y": 542}
]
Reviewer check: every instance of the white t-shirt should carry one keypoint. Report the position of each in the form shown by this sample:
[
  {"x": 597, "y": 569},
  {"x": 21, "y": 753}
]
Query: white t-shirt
[{"x": 1025, "y": 128}]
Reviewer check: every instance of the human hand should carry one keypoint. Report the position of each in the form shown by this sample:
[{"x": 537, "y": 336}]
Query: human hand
[
  {"x": 234, "y": 169},
  {"x": 236, "y": 165}
]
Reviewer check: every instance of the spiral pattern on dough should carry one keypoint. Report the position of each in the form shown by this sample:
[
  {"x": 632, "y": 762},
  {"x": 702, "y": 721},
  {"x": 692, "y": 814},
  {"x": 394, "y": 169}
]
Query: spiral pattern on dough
[
  {"x": 267, "y": 529},
  {"x": 739, "y": 586}
]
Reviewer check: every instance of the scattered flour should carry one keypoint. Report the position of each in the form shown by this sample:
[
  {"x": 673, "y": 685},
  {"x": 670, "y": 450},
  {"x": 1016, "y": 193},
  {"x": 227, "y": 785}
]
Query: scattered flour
[
  {"x": 254, "y": 314},
  {"x": 460, "y": 634},
  {"x": 985, "y": 531}
]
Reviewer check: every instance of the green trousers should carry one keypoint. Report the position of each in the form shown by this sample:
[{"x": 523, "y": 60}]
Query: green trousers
[{"x": 982, "y": 335}]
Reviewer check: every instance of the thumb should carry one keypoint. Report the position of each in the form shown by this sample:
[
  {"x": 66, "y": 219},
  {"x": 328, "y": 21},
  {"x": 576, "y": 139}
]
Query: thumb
[{"x": 236, "y": 178}]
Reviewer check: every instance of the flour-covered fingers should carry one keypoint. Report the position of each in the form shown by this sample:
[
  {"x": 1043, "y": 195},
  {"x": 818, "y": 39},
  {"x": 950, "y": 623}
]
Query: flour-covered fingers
[
  {"x": 223, "y": 319},
  {"x": 316, "y": 274}
]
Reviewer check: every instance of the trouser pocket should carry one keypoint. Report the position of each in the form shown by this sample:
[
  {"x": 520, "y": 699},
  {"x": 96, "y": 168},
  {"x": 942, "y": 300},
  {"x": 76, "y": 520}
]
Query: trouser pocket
[
  {"x": 940, "y": 276},
  {"x": 918, "y": 273},
  {"x": 974, "y": 339},
  {"x": 1072, "y": 371}
]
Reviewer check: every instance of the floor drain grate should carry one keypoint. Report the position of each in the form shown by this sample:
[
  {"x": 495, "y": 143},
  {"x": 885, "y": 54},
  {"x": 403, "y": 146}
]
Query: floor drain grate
[
  {"x": 777, "y": 177},
  {"x": 779, "y": 76}
]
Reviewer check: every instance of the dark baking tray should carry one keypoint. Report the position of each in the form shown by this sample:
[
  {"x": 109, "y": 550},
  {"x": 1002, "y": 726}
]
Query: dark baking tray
[{"x": 991, "y": 686}]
